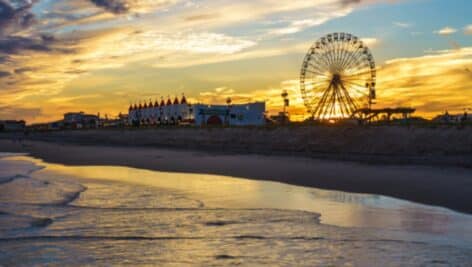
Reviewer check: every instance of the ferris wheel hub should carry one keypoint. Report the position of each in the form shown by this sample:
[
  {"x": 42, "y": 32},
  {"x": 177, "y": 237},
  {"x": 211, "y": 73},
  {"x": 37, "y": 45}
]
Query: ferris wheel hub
[{"x": 336, "y": 78}]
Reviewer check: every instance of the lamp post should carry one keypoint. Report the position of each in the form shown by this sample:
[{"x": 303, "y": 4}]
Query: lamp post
[
  {"x": 286, "y": 104},
  {"x": 228, "y": 103},
  {"x": 465, "y": 117}
]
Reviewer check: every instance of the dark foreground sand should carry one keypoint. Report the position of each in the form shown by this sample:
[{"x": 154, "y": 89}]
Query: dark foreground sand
[
  {"x": 449, "y": 187},
  {"x": 446, "y": 146}
]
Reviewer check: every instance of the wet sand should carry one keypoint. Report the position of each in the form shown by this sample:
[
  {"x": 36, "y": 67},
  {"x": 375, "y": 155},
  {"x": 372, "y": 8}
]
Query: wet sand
[
  {"x": 449, "y": 187},
  {"x": 53, "y": 214}
]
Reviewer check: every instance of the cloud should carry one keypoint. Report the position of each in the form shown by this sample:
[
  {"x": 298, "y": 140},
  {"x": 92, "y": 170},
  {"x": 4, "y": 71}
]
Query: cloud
[
  {"x": 68, "y": 99},
  {"x": 113, "y": 6},
  {"x": 371, "y": 41},
  {"x": 296, "y": 15},
  {"x": 205, "y": 16},
  {"x": 4, "y": 74},
  {"x": 15, "y": 14},
  {"x": 402, "y": 24},
  {"x": 468, "y": 29},
  {"x": 446, "y": 31},
  {"x": 350, "y": 2},
  {"x": 213, "y": 43},
  {"x": 299, "y": 25},
  {"x": 23, "y": 70},
  {"x": 127, "y": 6},
  {"x": 322, "y": 14},
  {"x": 15, "y": 44},
  {"x": 431, "y": 83},
  {"x": 115, "y": 48},
  {"x": 42, "y": 67},
  {"x": 18, "y": 112}
]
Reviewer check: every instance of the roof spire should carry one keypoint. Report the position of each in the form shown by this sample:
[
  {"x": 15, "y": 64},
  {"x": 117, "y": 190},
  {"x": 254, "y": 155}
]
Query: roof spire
[{"x": 184, "y": 100}]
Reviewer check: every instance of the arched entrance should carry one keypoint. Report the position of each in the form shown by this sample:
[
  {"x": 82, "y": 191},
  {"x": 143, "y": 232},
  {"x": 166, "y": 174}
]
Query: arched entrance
[{"x": 214, "y": 120}]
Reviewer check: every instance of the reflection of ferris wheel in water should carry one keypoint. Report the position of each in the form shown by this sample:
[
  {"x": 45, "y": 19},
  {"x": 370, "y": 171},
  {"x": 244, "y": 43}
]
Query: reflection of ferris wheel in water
[{"x": 337, "y": 77}]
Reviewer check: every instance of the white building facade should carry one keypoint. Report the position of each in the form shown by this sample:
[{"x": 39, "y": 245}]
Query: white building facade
[
  {"x": 250, "y": 114},
  {"x": 180, "y": 112},
  {"x": 170, "y": 112}
]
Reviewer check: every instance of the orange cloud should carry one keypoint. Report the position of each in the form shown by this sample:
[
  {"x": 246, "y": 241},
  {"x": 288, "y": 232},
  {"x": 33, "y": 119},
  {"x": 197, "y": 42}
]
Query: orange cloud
[{"x": 431, "y": 83}]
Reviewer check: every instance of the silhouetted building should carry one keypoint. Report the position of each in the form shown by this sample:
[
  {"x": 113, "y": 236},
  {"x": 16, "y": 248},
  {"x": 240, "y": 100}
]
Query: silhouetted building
[
  {"x": 48, "y": 126},
  {"x": 78, "y": 120},
  {"x": 453, "y": 118},
  {"x": 12, "y": 125},
  {"x": 280, "y": 118}
]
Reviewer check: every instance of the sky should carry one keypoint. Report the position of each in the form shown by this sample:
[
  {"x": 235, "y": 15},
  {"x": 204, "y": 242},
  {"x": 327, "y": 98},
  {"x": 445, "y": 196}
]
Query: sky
[{"x": 99, "y": 56}]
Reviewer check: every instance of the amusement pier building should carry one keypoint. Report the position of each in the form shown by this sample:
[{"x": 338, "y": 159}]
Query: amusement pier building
[{"x": 179, "y": 112}]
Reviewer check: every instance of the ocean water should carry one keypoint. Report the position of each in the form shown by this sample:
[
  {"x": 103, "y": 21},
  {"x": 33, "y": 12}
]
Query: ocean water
[{"x": 55, "y": 215}]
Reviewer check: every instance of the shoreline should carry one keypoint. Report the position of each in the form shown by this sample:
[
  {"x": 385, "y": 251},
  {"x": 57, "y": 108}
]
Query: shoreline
[{"x": 448, "y": 187}]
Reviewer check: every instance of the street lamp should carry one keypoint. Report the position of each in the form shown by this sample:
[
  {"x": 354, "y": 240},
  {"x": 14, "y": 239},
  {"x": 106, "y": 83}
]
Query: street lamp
[
  {"x": 286, "y": 104},
  {"x": 228, "y": 103}
]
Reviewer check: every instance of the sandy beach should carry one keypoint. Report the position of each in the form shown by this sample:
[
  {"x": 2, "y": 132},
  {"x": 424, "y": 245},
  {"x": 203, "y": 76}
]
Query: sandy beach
[{"x": 449, "y": 187}]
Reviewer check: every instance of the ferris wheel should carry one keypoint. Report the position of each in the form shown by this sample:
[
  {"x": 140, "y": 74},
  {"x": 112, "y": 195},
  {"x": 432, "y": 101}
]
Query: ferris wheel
[{"x": 338, "y": 77}]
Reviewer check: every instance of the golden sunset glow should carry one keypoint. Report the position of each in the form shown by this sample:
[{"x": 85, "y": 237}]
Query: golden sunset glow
[{"x": 100, "y": 56}]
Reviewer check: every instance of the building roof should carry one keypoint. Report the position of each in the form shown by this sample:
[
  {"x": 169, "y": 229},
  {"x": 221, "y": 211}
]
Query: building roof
[{"x": 74, "y": 113}]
